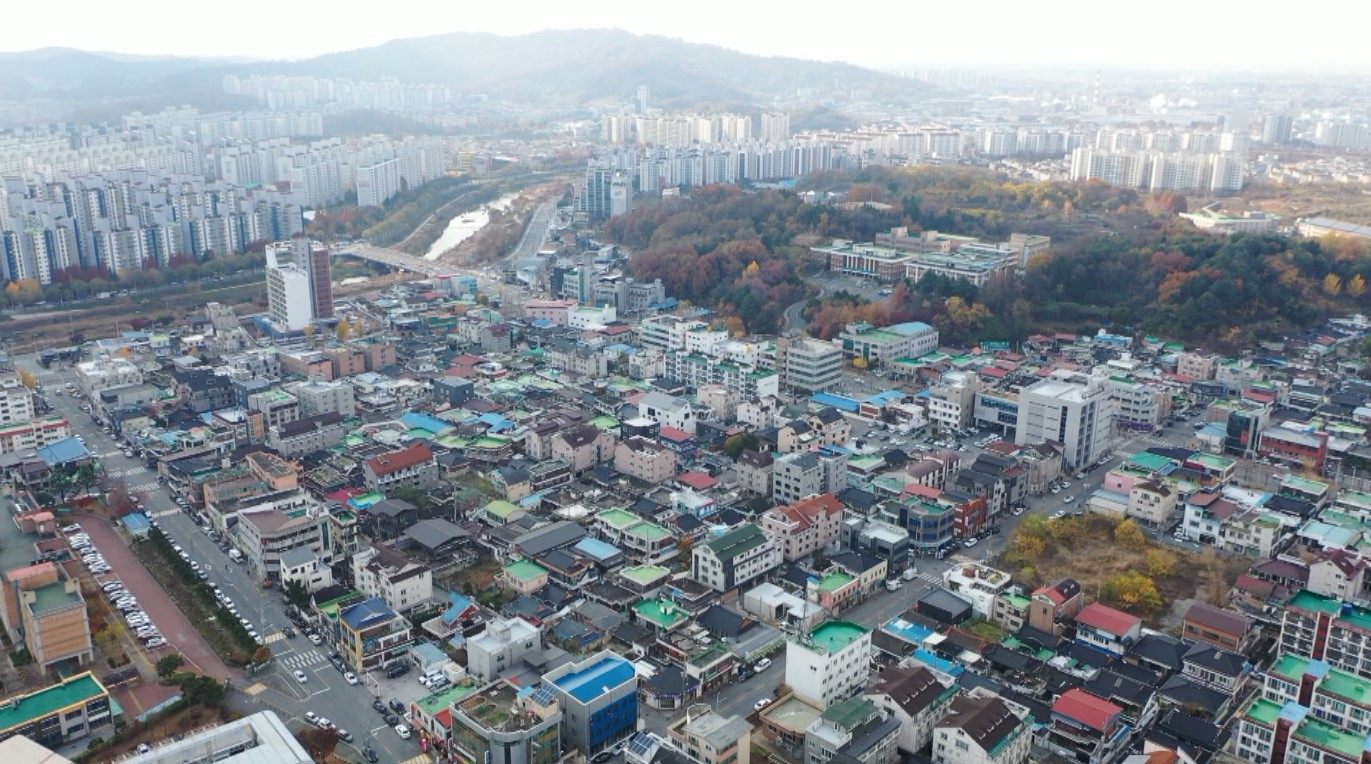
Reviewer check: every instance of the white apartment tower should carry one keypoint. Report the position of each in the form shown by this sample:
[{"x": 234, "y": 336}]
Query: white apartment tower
[{"x": 1068, "y": 408}]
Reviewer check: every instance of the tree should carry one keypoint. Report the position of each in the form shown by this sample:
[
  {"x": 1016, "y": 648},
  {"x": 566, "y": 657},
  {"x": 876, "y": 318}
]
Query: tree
[
  {"x": 308, "y": 331},
  {"x": 858, "y": 362},
  {"x": 343, "y": 330},
  {"x": 261, "y": 655},
  {"x": 1131, "y": 591},
  {"x": 1332, "y": 284},
  {"x": 296, "y": 594},
  {"x": 743, "y": 441},
  {"x": 1128, "y": 535},
  {"x": 27, "y": 379},
  {"x": 1356, "y": 286},
  {"x": 1160, "y": 562},
  {"x": 318, "y": 743},
  {"x": 734, "y": 326},
  {"x": 168, "y": 665}
]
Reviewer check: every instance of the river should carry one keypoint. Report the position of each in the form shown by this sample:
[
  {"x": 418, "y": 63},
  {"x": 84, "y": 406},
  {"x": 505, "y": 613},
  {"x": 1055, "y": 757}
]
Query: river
[{"x": 465, "y": 225}]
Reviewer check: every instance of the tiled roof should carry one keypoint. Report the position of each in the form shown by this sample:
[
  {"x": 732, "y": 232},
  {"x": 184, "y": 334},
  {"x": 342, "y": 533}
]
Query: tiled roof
[
  {"x": 405, "y": 458},
  {"x": 1107, "y": 619},
  {"x": 1080, "y": 706}
]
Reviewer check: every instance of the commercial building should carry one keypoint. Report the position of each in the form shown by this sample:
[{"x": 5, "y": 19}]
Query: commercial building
[
  {"x": 978, "y": 584},
  {"x": 265, "y": 533},
  {"x": 104, "y": 373},
  {"x": 951, "y": 402},
  {"x": 829, "y": 663},
  {"x": 1138, "y": 405},
  {"x": 371, "y": 635},
  {"x": 16, "y": 400},
  {"x": 257, "y": 738},
  {"x": 599, "y": 700},
  {"x": 504, "y": 723},
  {"x": 1068, "y": 408},
  {"x": 734, "y": 559},
  {"x": 74, "y": 708},
  {"x": 878, "y": 346}
]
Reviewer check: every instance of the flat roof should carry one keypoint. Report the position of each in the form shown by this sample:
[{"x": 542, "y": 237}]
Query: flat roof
[
  {"x": 661, "y": 612},
  {"x": 54, "y": 596},
  {"x": 835, "y": 581},
  {"x": 74, "y": 691},
  {"x": 594, "y": 680},
  {"x": 833, "y": 636},
  {"x": 525, "y": 570}
]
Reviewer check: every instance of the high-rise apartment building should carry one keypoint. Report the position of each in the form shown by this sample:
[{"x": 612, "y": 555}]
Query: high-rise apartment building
[
  {"x": 313, "y": 257},
  {"x": 775, "y": 127},
  {"x": 1277, "y": 128}
]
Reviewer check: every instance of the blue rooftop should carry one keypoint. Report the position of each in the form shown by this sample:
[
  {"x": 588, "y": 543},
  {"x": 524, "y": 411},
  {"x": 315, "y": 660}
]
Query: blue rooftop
[
  {"x": 909, "y": 632},
  {"x": 496, "y": 422},
  {"x": 908, "y": 328},
  {"x": 596, "y": 548},
  {"x": 836, "y": 401},
  {"x": 886, "y": 396},
  {"x": 458, "y": 604},
  {"x": 592, "y": 682},
  {"x": 63, "y": 451},
  {"x": 362, "y": 614},
  {"x": 414, "y": 419},
  {"x": 137, "y": 523},
  {"x": 931, "y": 659}
]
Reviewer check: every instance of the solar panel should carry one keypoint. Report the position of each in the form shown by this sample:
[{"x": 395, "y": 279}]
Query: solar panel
[
  {"x": 545, "y": 694},
  {"x": 640, "y": 745}
]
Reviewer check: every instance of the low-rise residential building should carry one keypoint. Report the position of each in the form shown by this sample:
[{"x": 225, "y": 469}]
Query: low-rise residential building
[
  {"x": 102, "y": 373},
  {"x": 981, "y": 585},
  {"x": 829, "y": 663},
  {"x": 806, "y": 526},
  {"x": 1107, "y": 629},
  {"x": 307, "y": 435},
  {"x": 808, "y": 473},
  {"x": 411, "y": 467},
  {"x": 712, "y": 738},
  {"x": 916, "y": 698},
  {"x": 645, "y": 459},
  {"x": 1085, "y": 728},
  {"x": 754, "y": 470},
  {"x": 1221, "y": 628},
  {"x": 857, "y": 730},
  {"x": 497, "y": 650},
  {"x": 982, "y": 728},
  {"x": 668, "y": 411},
  {"x": 735, "y": 559},
  {"x": 1152, "y": 504},
  {"x": 384, "y": 572},
  {"x": 583, "y": 447}
]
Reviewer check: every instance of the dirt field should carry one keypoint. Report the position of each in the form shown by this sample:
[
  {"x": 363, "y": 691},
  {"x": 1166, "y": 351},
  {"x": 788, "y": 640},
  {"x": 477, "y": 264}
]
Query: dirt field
[{"x": 1085, "y": 549}]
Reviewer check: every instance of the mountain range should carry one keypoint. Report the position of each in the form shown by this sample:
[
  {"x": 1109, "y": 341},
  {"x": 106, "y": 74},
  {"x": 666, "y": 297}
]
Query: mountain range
[{"x": 566, "y": 68}]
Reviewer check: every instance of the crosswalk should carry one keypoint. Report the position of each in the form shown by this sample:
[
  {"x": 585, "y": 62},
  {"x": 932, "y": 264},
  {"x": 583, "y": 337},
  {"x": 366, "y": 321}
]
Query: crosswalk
[
  {"x": 254, "y": 690},
  {"x": 929, "y": 578},
  {"x": 147, "y": 487},
  {"x": 422, "y": 758},
  {"x": 166, "y": 513},
  {"x": 301, "y": 660},
  {"x": 130, "y": 472},
  {"x": 273, "y": 637}
]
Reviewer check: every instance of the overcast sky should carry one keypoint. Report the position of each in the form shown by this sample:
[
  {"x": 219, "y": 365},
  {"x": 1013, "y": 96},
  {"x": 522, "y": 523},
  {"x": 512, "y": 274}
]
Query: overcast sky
[{"x": 1210, "y": 34}]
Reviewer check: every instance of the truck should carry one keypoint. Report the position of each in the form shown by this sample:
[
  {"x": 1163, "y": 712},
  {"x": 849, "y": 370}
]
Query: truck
[
  {"x": 910, "y": 574},
  {"x": 236, "y": 556}
]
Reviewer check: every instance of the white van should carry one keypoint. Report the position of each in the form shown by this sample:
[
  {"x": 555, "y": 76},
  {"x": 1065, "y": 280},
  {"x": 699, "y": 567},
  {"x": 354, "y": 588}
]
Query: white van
[{"x": 236, "y": 556}]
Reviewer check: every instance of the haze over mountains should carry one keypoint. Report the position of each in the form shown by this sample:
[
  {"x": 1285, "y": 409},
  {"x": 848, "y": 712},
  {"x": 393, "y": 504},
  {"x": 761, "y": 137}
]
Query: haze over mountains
[{"x": 556, "y": 68}]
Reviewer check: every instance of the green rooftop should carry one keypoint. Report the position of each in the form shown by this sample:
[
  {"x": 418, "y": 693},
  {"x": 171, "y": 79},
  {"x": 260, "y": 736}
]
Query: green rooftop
[
  {"x": 1304, "y": 485},
  {"x": 49, "y": 700},
  {"x": 833, "y": 636},
  {"x": 742, "y": 539},
  {"x": 835, "y": 581},
  {"x": 501, "y": 509},
  {"x": 525, "y": 570},
  {"x": 1330, "y": 738},
  {"x": 1017, "y": 600},
  {"x": 1263, "y": 711},
  {"x": 432, "y": 704},
  {"x": 619, "y": 518},
  {"x": 1347, "y": 686},
  {"x": 849, "y": 713},
  {"x": 1290, "y": 666},
  {"x": 663, "y": 613},
  {"x": 1213, "y": 461},
  {"x": 649, "y": 531},
  {"x": 1149, "y": 461},
  {"x": 54, "y": 596},
  {"x": 645, "y": 574}
]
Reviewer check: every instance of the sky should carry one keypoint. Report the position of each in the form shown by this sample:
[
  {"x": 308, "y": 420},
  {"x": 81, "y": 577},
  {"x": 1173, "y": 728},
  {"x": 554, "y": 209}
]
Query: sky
[{"x": 890, "y": 34}]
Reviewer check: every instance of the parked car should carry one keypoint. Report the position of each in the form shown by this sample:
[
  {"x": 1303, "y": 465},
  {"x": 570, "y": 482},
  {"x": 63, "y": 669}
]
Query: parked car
[
  {"x": 763, "y": 703},
  {"x": 762, "y": 665},
  {"x": 350, "y": 677}
]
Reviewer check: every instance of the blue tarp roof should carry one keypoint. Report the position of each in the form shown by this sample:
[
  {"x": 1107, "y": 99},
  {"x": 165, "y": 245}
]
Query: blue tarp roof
[
  {"x": 885, "y": 396},
  {"x": 458, "y": 604},
  {"x": 496, "y": 422},
  {"x": 137, "y": 523},
  {"x": 63, "y": 451}
]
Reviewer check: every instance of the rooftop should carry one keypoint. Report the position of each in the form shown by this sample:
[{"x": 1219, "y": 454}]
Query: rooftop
[
  {"x": 525, "y": 570},
  {"x": 833, "y": 636},
  {"x": 54, "y": 596},
  {"x": 663, "y": 613},
  {"x": 1330, "y": 738},
  {"x": 21, "y": 710},
  {"x": 589, "y": 680},
  {"x": 835, "y": 581},
  {"x": 644, "y": 574}
]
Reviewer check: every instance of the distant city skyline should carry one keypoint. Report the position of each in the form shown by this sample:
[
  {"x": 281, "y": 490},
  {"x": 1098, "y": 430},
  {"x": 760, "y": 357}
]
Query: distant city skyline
[{"x": 991, "y": 35}]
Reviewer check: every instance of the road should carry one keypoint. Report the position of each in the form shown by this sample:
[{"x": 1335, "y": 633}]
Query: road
[
  {"x": 535, "y": 233},
  {"x": 325, "y": 692}
]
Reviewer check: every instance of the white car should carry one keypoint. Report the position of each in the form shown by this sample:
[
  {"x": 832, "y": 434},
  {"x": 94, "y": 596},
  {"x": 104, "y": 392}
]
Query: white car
[
  {"x": 300, "y": 676},
  {"x": 315, "y": 639},
  {"x": 763, "y": 703},
  {"x": 350, "y": 677},
  {"x": 311, "y": 717},
  {"x": 402, "y": 730},
  {"x": 156, "y": 642}
]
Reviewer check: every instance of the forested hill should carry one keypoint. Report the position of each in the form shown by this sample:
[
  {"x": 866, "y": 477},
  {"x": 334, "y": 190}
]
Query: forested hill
[{"x": 1133, "y": 265}]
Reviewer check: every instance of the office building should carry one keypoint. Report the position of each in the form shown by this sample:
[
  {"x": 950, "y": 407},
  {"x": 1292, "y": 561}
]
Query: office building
[
  {"x": 599, "y": 700},
  {"x": 1068, "y": 408},
  {"x": 808, "y": 365},
  {"x": 880, "y": 346},
  {"x": 829, "y": 663},
  {"x": 504, "y": 723}
]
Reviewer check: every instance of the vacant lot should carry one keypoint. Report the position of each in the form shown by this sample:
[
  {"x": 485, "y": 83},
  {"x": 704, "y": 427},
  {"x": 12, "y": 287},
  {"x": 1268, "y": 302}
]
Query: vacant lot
[{"x": 1115, "y": 563}]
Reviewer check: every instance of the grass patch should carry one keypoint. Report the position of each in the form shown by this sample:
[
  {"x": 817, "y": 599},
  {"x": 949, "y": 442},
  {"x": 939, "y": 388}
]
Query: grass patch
[
  {"x": 985, "y": 630},
  {"x": 224, "y": 633}
]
